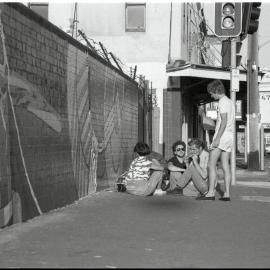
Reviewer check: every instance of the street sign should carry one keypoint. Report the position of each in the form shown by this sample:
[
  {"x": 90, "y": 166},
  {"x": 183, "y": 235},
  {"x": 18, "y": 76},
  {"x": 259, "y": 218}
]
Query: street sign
[{"x": 235, "y": 79}]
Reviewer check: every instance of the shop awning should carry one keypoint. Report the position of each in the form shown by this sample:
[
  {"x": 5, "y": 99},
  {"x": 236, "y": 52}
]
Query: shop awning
[
  {"x": 203, "y": 71},
  {"x": 192, "y": 79}
]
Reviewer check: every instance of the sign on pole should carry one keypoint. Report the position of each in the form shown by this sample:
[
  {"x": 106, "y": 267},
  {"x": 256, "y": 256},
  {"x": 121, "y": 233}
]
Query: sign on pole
[{"x": 235, "y": 79}]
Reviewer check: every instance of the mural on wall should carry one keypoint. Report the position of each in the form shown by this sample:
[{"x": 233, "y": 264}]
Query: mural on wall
[
  {"x": 20, "y": 196},
  {"x": 86, "y": 145},
  {"x": 27, "y": 96},
  {"x": 5, "y": 178},
  {"x": 113, "y": 136}
]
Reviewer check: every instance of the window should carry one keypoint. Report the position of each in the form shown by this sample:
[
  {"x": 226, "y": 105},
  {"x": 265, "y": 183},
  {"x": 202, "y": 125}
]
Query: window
[{"x": 135, "y": 17}]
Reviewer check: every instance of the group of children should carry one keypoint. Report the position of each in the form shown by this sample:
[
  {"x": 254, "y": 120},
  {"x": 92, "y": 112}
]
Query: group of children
[{"x": 147, "y": 175}]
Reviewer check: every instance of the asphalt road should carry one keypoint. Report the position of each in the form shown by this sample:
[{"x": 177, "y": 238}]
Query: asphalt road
[{"x": 117, "y": 230}]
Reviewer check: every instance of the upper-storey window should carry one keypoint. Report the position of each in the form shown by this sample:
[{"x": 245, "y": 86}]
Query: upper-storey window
[{"x": 135, "y": 17}]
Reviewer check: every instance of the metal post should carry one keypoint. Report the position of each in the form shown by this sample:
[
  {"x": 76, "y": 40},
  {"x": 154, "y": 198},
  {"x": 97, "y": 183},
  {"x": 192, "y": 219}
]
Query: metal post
[
  {"x": 233, "y": 98},
  {"x": 262, "y": 148},
  {"x": 246, "y": 142},
  {"x": 253, "y": 103},
  {"x": 150, "y": 117}
]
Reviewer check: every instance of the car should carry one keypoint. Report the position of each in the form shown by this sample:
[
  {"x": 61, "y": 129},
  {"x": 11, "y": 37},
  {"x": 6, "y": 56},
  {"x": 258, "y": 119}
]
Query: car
[{"x": 267, "y": 149}]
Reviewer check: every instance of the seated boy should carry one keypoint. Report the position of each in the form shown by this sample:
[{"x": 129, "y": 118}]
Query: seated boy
[
  {"x": 197, "y": 167},
  {"x": 137, "y": 179},
  {"x": 176, "y": 166}
]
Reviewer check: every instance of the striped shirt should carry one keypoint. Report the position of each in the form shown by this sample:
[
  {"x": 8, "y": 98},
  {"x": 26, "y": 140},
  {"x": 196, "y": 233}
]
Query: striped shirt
[{"x": 139, "y": 169}]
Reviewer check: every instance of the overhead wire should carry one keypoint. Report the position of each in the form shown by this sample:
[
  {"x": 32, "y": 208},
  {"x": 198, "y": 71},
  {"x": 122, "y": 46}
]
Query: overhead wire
[{"x": 210, "y": 29}]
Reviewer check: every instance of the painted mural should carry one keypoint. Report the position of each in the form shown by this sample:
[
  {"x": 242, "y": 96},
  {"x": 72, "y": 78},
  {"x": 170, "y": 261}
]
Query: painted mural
[
  {"x": 84, "y": 144},
  {"x": 21, "y": 97},
  {"x": 85, "y": 100},
  {"x": 5, "y": 178}
]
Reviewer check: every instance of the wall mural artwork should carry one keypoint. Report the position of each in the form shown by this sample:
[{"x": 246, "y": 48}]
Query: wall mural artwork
[
  {"x": 5, "y": 178},
  {"x": 19, "y": 94},
  {"x": 113, "y": 138},
  {"x": 86, "y": 146},
  {"x": 26, "y": 95},
  {"x": 23, "y": 94},
  {"x": 84, "y": 143}
]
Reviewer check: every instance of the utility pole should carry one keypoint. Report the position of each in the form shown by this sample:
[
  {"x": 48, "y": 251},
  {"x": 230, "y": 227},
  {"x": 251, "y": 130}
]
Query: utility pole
[
  {"x": 234, "y": 87},
  {"x": 150, "y": 95},
  {"x": 75, "y": 22},
  {"x": 253, "y": 113}
]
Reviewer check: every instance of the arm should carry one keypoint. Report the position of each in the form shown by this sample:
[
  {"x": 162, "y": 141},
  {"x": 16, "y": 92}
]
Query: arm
[
  {"x": 156, "y": 156},
  {"x": 156, "y": 165},
  {"x": 174, "y": 168},
  {"x": 222, "y": 127},
  {"x": 202, "y": 167}
]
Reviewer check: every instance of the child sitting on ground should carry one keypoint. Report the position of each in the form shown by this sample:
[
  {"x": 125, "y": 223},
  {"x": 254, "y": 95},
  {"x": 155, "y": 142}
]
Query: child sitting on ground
[{"x": 144, "y": 176}]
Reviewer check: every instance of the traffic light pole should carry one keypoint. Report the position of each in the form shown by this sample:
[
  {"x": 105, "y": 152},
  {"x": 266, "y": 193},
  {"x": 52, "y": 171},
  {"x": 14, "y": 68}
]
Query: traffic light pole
[
  {"x": 253, "y": 113},
  {"x": 234, "y": 86}
]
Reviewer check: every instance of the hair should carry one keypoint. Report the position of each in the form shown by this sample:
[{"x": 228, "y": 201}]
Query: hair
[
  {"x": 216, "y": 87},
  {"x": 178, "y": 143},
  {"x": 142, "y": 149},
  {"x": 197, "y": 142}
]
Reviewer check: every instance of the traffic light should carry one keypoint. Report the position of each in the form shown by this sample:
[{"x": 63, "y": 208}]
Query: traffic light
[
  {"x": 228, "y": 19},
  {"x": 254, "y": 16},
  {"x": 226, "y": 53},
  {"x": 251, "y": 14},
  {"x": 238, "y": 55}
]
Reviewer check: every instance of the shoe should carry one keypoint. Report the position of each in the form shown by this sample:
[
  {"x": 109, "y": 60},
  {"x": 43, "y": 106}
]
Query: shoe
[
  {"x": 165, "y": 185},
  {"x": 203, "y": 198},
  {"x": 159, "y": 192},
  {"x": 199, "y": 197},
  {"x": 225, "y": 199}
]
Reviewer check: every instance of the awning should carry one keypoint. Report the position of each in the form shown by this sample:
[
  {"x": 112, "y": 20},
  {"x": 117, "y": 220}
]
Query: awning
[
  {"x": 192, "y": 79},
  {"x": 204, "y": 71}
]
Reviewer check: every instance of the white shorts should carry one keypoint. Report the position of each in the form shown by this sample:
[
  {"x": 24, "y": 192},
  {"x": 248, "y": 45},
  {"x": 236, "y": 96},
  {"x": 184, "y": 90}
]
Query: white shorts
[{"x": 226, "y": 142}]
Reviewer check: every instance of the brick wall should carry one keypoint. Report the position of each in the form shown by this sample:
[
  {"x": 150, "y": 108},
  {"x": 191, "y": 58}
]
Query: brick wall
[{"x": 75, "y": 119}]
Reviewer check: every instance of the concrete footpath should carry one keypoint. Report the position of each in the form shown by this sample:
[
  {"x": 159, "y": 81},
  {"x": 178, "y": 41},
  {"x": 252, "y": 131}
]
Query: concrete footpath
[{"x": 117, "y": 230}]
